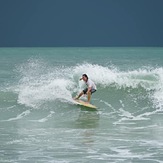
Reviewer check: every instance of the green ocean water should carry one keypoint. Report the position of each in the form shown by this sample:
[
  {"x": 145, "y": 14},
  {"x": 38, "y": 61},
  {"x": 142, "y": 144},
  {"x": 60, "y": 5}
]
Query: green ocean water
[{"x": 39, "y": 121}]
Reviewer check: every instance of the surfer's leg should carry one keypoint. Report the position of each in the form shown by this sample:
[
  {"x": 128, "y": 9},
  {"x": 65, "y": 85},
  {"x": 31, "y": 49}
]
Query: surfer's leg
[
  {"x": 89, "y": 96},
  {"x": 79, "y": 95},
  {"x": 83, "y": 92}
]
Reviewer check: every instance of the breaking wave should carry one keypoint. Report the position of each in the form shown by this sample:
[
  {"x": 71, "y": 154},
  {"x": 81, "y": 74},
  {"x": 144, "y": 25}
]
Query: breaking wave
[{"x": 39, "y": 82}]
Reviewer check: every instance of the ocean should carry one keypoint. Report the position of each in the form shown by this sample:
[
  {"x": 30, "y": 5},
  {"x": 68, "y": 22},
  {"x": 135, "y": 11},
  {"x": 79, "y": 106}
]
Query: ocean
[{"x": 39, "y": 122}]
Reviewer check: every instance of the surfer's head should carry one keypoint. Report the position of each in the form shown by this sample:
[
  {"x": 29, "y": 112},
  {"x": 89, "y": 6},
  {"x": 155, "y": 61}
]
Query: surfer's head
[{"x": 84, "y": 77}]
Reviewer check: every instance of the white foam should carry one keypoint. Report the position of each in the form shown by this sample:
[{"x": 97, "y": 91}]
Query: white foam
[
  {"x": 44, "y": 119},
  {"x": 106, "y": 76},
  {"x": 34, "y": 94},
  {"x": 20, "y": 116}
]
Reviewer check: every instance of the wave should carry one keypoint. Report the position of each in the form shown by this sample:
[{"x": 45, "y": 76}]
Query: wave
[
  {"x": 39, "y": 82},
  {"x": 20, "y": 116}
]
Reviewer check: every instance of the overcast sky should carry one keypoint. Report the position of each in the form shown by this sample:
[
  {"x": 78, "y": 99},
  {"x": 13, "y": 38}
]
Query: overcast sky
[{"x": 53, "y": 23}]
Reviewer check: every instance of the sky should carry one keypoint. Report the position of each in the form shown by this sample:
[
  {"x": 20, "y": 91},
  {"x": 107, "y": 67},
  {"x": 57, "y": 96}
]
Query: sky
[{"x": 81, "y": 23}]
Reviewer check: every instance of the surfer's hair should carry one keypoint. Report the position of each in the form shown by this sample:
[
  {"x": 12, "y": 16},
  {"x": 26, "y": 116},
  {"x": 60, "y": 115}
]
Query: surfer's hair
[{"x": 85, "y": 75}]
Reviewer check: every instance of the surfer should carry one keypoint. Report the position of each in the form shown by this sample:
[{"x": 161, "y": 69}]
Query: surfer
[{"x": 91, "y": 88}]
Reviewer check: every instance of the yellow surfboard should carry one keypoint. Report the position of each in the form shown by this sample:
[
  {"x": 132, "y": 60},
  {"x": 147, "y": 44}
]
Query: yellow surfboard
[{"x": 83, "y": 103}]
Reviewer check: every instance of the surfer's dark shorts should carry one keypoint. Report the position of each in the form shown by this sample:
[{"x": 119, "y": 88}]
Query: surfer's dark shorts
[{"x": 86, "y": 89}]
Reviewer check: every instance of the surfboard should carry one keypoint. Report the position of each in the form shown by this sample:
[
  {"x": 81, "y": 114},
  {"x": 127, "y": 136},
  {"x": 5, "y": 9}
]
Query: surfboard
[{"x": 83, "y": 103}]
